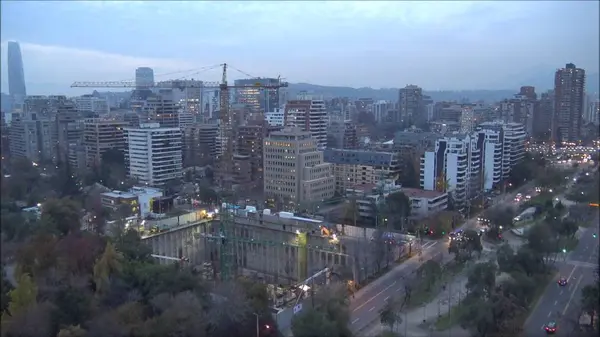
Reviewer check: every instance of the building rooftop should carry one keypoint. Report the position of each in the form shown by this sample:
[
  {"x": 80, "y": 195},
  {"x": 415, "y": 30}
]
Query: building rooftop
[{"x": 419, "y": 193}]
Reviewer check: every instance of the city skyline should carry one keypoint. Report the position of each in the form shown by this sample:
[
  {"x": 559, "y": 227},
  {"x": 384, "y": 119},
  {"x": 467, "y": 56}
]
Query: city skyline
[{"x": 462, "y": 45}]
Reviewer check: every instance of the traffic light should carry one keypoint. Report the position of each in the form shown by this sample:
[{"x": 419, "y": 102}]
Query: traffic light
[
  {"x": 443, "y": 233},
  {"x": 564, "y": 250},
  {"x": 595, "y": 235}
]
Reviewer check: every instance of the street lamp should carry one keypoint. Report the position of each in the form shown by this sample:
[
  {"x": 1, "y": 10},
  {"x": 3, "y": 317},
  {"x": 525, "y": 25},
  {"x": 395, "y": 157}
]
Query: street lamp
[{"x": 257, "y": 325}]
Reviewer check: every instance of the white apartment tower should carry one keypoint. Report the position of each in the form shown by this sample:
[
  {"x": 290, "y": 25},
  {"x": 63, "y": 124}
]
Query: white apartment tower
[
  {"x": 512, "y": 137},
  {"x": 453, "y": 167},
  {"x": 153, "y": 154}
]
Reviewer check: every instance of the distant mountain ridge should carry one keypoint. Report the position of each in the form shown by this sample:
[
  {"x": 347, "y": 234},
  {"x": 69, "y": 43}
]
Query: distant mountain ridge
[{"x": 391, "y": 94}]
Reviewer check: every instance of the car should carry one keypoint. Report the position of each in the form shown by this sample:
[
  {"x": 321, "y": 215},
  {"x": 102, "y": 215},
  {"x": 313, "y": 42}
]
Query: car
[
  {"x": 550, "y": 327},
  {"x": 563, "y": 281}
]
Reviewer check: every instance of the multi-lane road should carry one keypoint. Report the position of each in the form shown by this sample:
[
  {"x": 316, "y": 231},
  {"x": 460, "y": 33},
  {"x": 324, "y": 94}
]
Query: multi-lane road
[
  {"x": 368, "y": 302},
  {"x": 562, "y": 304}
]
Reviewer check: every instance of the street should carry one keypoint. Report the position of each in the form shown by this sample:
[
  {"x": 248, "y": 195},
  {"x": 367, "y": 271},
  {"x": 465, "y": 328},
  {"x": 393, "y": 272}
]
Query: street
[
  {"x": 561, "y": 304},
  {"x": 369, "y": 301}
]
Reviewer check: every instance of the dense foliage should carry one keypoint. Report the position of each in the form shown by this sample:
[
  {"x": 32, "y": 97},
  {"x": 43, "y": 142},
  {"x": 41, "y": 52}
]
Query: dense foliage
[{"x": 74, "y": 283}]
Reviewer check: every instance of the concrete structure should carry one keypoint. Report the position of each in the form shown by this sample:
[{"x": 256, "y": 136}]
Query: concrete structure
[
  {"x": 369, "y": 196},
  {"x": 16, "y": 75},
  {"x": 32, "y": 139},
  {"x": 250, "y": 142},
  {"x": 543, "y": 117},
  {"x": 410, "y": 105},
  {"x": 454, "y": 167},
  {"x": 342, "y": 135},
  {"x": 162, "y": 111},
  {"x": 423, "y": 202},
  {"x": 381, "y": 110},
  {"x": 361, "y": 167},
  {"x": 512, "y": 137},
  {"x": 100, "y": 135},
  {"x": 467, "y": 120},
  {"x": 275, "y": 117},
  {"x": 144, "y": 78},
  {"x": 259, "y": 100},
  {"x": 294, "y": 170},
  {"x": 569, "y": 95},
  {"x": 153, "y": 154},
  {"x": 138, "y": 198},
  {"x": 308, "y": 115},
  {"x": 200, "y": 144},
  {"x": 89, "y": 104}
]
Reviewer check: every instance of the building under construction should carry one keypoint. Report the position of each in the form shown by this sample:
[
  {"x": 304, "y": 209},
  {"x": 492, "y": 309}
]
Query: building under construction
[{"x": 277, "y": 248}]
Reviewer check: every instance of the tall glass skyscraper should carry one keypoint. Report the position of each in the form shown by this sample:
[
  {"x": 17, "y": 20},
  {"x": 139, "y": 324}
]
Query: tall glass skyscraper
[{"x": 16, "y": 76}]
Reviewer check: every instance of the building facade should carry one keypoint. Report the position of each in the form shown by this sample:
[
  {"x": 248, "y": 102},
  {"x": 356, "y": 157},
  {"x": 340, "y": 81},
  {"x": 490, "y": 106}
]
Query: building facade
[
  {"x": 353, "y": 168},
  {"x": 294, "y": 170},
  {"x": 100, "y": 135},
  {"x": 309, "y": 115},
  {"x": 569, "y": 95},
  {"x": 153, "y": 154}
]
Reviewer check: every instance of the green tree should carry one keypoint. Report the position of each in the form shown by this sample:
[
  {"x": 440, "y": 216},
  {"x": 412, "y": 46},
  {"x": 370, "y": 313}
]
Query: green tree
[
  {"x": 397, "y": 209},
  {"x": 108, "y": 264},
  {"x": 505, "y": 258},
  {"x": 430, "y": 272},
  {"x": 61, "y": 215},
  {"x": 311, "y": 323},
  {"x": 482, "y": 279},
  {"x": 390, "y": 314},
  {"x": 24, "y": 295}
]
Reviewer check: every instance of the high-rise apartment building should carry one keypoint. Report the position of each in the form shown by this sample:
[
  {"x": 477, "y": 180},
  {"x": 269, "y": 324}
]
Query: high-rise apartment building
[
  {"x": 162, "y": 111},
  {"x": 200, "y": 144},
  {"x": 543, "y": 117},
  {"x": 362, "y": 167},
  {"x": 569, "y": 95},
  {"x": 16, "y": 75},
  {"x": 68, "y": 129},
  {"x": 381, "y": 110},
  {"x": 309, "y": 115},
  {"x": 32, "y": 139},
  {"x": 100, "y": 135},
  {"x": 250, "y": 142},
  {"x": 259, "y": 100},
  {"x": 342, "y": 135},
  {"x": 294, "y": 170},
  {"x": 512, "y": 137},
  {"x": 153, "y": 154},
  {"x": 410, "y": 105},
  {"x": 91, "y": 105},
  {"x": 453, "y": 167}
]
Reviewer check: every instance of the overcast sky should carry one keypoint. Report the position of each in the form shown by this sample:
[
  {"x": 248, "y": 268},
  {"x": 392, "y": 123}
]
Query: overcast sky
[{"x": 436, "y": 45}]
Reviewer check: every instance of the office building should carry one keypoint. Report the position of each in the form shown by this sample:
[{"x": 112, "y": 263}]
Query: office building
[
  {"x": 16, "y": 75},
  {"x": 275, "y": 117},
  {"x": 352, "y": 168},
  {"x": 153, "y": 154},
  {"x": 308, "y": 115},
  {"x": 424, "y": 202},
  {"x": 259, "y": 100},
  {"x": 144, "y": 78},
  {"x": 467, "y": 119},
  {"x": 68, "y": 129},
  {"x": 100, "y": 135},
  {"x": 91, "y": 105},
  {"x": 592, "y": 112},
  {"x": 294, "y": 170},
  {"x": 569, "y": 94}
]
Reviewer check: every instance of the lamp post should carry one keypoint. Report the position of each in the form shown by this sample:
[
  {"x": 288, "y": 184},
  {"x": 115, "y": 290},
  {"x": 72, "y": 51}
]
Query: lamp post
[{"x": 257, "y": 325}]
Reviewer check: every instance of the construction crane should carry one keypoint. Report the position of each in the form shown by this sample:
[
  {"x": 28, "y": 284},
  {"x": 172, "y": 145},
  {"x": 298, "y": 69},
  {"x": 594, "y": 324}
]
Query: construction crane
[
  {"x": 226, "y": 129},
  {"x": 226, "y": 135}
]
